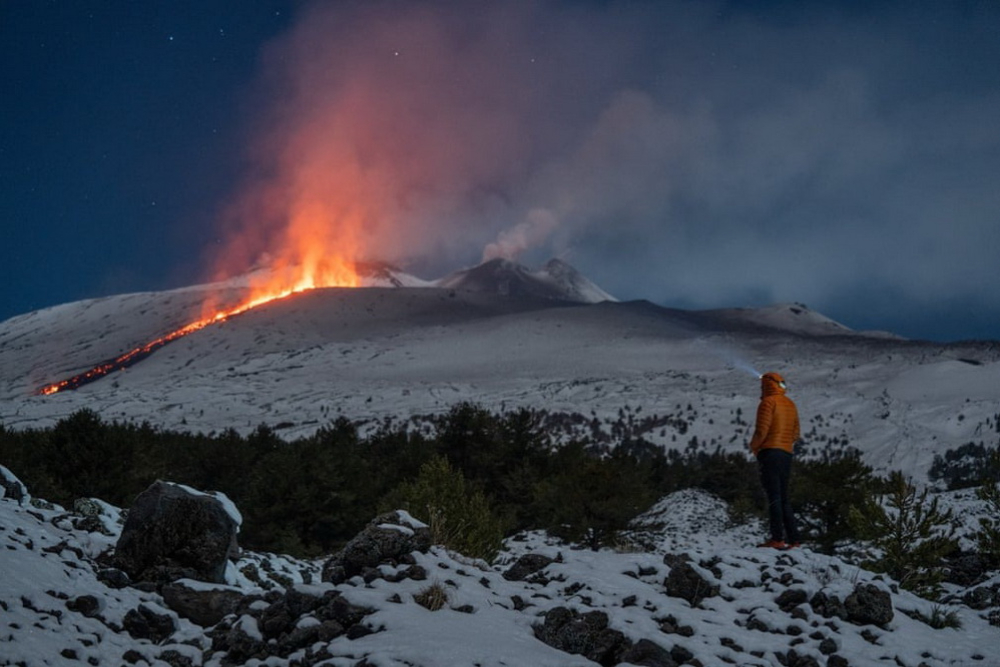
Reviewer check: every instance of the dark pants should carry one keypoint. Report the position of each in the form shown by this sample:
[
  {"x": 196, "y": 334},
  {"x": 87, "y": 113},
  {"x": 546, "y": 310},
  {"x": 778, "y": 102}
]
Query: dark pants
[{"x": 775, "y": 469}]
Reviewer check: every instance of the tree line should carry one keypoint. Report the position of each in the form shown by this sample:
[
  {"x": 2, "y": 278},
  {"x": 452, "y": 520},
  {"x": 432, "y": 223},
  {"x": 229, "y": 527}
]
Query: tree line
[{"x": 476, "y": 476}]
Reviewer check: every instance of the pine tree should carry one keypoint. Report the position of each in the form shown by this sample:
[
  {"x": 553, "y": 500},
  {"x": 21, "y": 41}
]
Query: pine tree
[{"x": 912, "y": 534}]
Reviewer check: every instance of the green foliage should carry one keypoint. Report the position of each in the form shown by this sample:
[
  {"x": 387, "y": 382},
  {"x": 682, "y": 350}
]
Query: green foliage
[
  {"x": 590, "y": 499},
  {"x": 823, "y": 493},
  {"x": 914, "y": 536},
  {"x": 940, "y": 617},
  {"x": 458, "y": 513}
]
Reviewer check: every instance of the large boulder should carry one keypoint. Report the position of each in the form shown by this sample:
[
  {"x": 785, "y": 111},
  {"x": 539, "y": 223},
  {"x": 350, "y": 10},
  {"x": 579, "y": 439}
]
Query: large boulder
[
  {"x": 389, "y": 539},
  {"x": 173, "y": 532}
]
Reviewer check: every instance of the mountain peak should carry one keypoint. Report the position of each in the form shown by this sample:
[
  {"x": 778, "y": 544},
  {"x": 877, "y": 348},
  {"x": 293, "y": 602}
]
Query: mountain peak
[{"x": 556, "y": 280}]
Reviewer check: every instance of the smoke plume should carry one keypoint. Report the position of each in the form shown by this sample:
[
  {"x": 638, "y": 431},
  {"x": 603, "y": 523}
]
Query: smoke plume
[{"x": 710, "y": 154}]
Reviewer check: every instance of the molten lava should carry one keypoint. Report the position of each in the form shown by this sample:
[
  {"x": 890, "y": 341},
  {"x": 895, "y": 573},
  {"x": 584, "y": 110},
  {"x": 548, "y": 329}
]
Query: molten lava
[{"x": 321, "y": 274}]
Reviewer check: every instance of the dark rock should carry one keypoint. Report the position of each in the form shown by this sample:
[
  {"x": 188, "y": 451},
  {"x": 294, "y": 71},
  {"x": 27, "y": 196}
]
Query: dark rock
[
  {"x": 144, "y": 623},
  {"x": 982, "y": 597},
  {"x": 828, "y": 606},
  {"x": 686, "y": 583},
  {"x": 967, "y": 569},
  {"x": 205, "y": 607},
  {"x": 827, "y": 646},
  {"x": 648, "y": 654},
  {"x": 88, "y": 605},
  {"x": 172, "y": 534},
  {"x": 527, "y": 565},
  {"x": 681, "y": 654},
  {"x": 794, "y": 659},
  {"x": 112, "y": 577},
  {"x": 132, "y": 656},
  {"x": 869, "y": 604},
  {"x": 175, "y": 658},
  {"x": 582, "y": 634},
  {"x": 358, "y": 631},
  {"x": 791, "y": 598},
  {"x": 388, "y": 539},
  {"x": 12, "y": 487},
  {"x": 837, "y": 661}
]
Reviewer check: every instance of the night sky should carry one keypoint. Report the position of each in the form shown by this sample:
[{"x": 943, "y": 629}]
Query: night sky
[{"x": 697, "y": 154}]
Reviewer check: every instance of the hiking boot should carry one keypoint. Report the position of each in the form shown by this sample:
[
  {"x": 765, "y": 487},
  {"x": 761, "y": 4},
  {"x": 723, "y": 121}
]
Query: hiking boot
[{"x": 774, "y": 544}]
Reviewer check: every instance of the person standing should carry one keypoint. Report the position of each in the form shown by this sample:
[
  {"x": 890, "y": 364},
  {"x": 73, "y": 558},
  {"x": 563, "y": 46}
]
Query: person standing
[{"x": 773, "y": 442}]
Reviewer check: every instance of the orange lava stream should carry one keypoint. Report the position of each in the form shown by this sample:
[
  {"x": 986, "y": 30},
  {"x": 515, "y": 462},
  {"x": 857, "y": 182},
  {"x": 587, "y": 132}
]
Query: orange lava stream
[{"x": 341, "y": 274}]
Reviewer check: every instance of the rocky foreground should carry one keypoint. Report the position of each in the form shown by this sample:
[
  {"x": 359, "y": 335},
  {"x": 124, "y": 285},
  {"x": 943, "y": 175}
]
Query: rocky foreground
[{"x": 168, "y": 585}]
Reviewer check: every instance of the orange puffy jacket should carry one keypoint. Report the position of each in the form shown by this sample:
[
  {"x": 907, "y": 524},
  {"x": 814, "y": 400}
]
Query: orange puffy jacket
[{"x": 777, "y": 418}]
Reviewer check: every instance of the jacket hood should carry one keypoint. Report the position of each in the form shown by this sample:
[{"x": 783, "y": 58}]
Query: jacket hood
[{"x": 772, "y": 384}]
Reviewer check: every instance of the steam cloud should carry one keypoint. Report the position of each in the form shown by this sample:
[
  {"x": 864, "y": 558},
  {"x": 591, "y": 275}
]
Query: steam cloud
[{"x": 709, "y": 154}]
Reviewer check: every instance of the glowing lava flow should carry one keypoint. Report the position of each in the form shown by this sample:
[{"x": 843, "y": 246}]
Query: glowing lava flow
[{"x": 138, "y": 354}]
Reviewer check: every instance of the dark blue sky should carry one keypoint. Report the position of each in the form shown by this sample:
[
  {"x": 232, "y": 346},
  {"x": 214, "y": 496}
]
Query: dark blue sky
[{"x": 696, "y": 154}]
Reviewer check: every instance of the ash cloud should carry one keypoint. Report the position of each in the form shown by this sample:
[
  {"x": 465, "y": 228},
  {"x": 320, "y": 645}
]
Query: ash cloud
[{"x": 698, "y": 154}]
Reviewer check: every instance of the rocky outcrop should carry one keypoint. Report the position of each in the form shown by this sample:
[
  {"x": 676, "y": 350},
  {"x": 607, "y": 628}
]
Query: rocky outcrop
[
  {"x": 286, "y": 623},
  {"x": 389, "y": 539},
  {"x": 172, "y": 533}
]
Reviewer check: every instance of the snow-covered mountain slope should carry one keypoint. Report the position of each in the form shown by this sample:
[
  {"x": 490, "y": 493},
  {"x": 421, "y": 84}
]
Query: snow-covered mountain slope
[
  {"x": 762, "y": 608},
  {"x": 380, "y": 352}
]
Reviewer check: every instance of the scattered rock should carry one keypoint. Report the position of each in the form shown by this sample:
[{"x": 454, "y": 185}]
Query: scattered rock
[
  {"x": 527, "y": 565},
  {"x": 828, "y": 606},
  {"x": 203, "y": 606},
  {"x": 685, "y": 582},
  {"x": 869, "y": 604},
  {"x": 791, "y": 598},
  {"x": 173, "y": 534},
  {"x": 388, "y": 539},
  {"x": 12, "y": 487},
  {"x": 88, "y": 605},
  {"x": 144, "y": 623},
  {"x": 582, "y": 634},
  {"x": 648, "y": 654}
]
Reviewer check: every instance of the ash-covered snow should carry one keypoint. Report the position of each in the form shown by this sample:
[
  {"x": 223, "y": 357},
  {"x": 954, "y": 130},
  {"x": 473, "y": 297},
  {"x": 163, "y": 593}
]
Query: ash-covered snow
[{"x": 48, "y": 570}]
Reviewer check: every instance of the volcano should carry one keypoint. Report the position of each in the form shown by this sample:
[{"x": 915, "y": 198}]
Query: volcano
[{"x": 501, "y": 335}]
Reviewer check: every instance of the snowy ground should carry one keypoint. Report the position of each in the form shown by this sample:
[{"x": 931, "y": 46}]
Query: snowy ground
[
  {"x": 47, "y": 566},
  {"x": 374, "y": 353}
]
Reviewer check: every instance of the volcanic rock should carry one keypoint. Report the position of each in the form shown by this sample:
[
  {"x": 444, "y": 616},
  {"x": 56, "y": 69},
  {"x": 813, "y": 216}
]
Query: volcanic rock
[
  {"x": 12, "y": 487},
  {"x": 687, "y": 583},
  {"x": 582, "y": 634},
  {"x": 144, "y": 623},
  {"x": 387, "y": 539},
  {"x": 204, "y": 606},
  {"x": 172, "y": 533},
  {"x": 868, "y": 604},
  {"x": 525, "y": 566}
]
